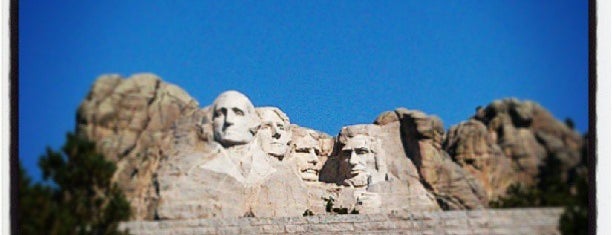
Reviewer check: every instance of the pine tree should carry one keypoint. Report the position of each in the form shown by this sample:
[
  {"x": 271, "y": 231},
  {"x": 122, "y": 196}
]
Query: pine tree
[
  {"x": 78, "y": 197},
  {"x": 35, "y": 205},
  {"x": 554, "y": 190}
]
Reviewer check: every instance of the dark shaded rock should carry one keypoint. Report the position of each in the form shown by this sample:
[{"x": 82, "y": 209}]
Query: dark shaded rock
[{"x": 454, "y": 187}]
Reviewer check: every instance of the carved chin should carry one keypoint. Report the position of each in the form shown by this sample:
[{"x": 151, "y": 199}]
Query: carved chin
[
  {"x": 359, "y": 180},
  {"x": 233, "y": 138},
  {"x": 309, "y": 175},
  {"x": 276, "y": 149}
]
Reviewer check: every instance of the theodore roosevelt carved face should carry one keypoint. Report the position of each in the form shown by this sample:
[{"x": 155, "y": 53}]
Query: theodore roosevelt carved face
[
  {"x": 305, "y": 153},
  {"x": 234, "y": 119}
]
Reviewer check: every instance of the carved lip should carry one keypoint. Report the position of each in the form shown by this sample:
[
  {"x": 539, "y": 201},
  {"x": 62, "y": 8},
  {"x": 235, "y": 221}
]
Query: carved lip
[
  {"x": 358, "y": 169},
  {"x": 231, "y": 132},
  {"x": 357, "y": 172},
  {"x": 310, "y": 171}
]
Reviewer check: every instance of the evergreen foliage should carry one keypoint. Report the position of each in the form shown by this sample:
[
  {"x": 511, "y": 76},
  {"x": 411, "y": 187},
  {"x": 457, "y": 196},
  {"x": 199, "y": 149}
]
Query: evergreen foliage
[
  {"x": 574, "y": 219},
  {"x": 77, "y": 197},
  {"x": 553, "y": 190},
  {"x": 570, "y": 123}
]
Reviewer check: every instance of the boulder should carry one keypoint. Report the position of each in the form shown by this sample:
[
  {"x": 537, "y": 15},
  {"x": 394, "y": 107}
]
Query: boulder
[
  {"x": 530, "y": 136},
  {"x": 470, "y": 145},
  {"x": 131, "y": 122}
]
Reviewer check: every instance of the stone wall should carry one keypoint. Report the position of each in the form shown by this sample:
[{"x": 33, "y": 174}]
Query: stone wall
[{"x": 498, "y": 221}]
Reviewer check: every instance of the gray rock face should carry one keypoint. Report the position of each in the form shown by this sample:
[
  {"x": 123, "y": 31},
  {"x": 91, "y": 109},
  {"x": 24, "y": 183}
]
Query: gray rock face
[
  {"x": 528, "y": 135},
  {"x": 231, "y": 159},
  {"x": 471, "y": 146},
  {"x": 386, "y": 179},
  {"x": 131, "y": 121},
  {"x": 509, "y": 141},
  {"x": 454, "y": 187}
]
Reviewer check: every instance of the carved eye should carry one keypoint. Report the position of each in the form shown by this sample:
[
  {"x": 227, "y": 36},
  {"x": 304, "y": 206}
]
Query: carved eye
[
  {"x": 280, "y": 127},
  {"x": 361, "y": 151},
  {"x": 302, "y": 150},
  {"x": 219, "y": 112},
  {"x": 238, "y": 112}
]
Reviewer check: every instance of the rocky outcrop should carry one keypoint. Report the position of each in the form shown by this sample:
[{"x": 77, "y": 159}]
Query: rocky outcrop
[
  {"x": 454, "y": 187},
  {"x": 390, "y": 182},
  {"x": 131, "y": 122},
  {"x": 471, "y": 146},
  {"x": 528, "y": 134},
  {"x": 177, "y": 160},
  {"x": 511, "y": 141}
]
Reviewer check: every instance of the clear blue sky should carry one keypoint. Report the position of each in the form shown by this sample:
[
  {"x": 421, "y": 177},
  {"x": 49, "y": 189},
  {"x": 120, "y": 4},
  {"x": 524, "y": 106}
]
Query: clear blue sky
[{"x": 327, "y": 64}]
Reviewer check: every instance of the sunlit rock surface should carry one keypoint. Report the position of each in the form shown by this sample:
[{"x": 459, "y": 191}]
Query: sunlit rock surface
[{"x": 229, "y": 159}]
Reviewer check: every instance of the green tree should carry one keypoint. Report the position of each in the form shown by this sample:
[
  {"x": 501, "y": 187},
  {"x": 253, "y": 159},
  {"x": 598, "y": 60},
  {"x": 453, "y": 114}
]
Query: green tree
[
  {"x": 574, "y": 219},
  {"x": 78, "y": 198},
  {"x": 570, "y": 123},
  {"x": 552, "y": 189},
  {"x": 34, "y": 203},
  {"x": 518, "y": 195}
]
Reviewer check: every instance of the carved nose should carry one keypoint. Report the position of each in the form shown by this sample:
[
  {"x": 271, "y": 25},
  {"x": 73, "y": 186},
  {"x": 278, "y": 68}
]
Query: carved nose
[
  {"x": 229, "y": 119},
  {"x": 353, "y": 159},
  {"x": 313, "y": 159},
  {"x": 275, "y": 133}
]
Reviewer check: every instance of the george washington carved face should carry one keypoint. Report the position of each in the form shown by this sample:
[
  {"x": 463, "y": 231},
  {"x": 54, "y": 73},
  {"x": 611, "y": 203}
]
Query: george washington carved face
[{"x": 234, "y": 119}]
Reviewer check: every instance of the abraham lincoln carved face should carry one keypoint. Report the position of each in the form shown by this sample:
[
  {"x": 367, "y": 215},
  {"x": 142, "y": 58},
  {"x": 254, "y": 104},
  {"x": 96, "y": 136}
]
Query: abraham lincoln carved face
[{"x": 361, "y": 161}]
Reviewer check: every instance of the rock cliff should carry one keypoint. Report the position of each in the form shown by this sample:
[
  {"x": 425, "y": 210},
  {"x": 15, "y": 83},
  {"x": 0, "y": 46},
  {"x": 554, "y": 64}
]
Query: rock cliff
[
  {"x": 177, "y": 160},
  {"x": 510, "y": 141}
]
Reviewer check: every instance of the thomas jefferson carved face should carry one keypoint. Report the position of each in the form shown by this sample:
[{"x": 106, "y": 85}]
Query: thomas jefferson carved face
[
  {"x": 305, "y": 153},
  {"x": 234, "y": 119},
  {"x": 358, "y": 160},
  {"x": 274, "y": 132}
]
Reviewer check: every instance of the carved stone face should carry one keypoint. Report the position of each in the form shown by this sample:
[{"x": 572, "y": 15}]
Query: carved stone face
[
  {"x": 274, "y": 132},
  {"x": 234, "y": 119},
  {"x": 358, "y": 160},
  {"x": 305, "y": 153}
]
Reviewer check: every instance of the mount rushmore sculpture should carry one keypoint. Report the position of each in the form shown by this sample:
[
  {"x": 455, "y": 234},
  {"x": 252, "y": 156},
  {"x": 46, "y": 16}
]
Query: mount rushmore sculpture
[{"x": 231, "y": 159}]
